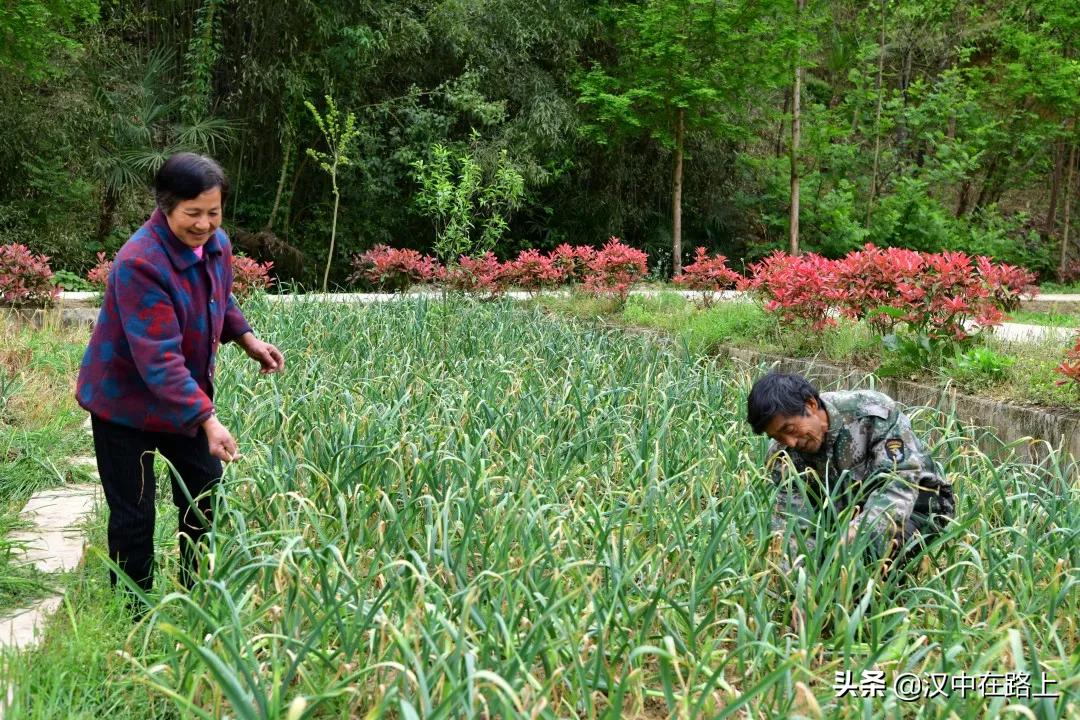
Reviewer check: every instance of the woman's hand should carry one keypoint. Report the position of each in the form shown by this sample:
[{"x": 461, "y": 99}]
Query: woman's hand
[
  {"x": 222, "y": 445},
  {"x": 269, "y": 357}
]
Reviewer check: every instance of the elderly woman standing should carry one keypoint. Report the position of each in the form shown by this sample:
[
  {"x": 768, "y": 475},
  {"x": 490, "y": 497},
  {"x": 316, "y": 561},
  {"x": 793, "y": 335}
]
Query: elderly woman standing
[{"x": 147, "y": 375}]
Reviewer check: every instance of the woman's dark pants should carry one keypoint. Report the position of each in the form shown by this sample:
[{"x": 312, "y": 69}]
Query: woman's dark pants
[{"x": 125, "y": 460}]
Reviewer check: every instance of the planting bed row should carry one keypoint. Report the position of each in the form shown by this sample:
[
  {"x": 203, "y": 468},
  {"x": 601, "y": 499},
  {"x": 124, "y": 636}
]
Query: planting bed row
[{"x": 472, "y": 509}]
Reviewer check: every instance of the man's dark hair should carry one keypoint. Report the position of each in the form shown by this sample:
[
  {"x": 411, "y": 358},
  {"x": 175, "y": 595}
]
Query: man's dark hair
[
  {"x": 778, "y": 394},
  {"x": 185, "y": 176}
]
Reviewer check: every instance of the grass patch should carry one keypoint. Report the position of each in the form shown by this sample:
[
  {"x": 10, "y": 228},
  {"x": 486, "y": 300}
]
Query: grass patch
[
  {"x": 19, "y": 583},
  {"x": 1072, "y": 288},
  {"x": 80, "y": 669},
  {"x": 1030, "y": 317},
  {"x": 39, "y": 432}
]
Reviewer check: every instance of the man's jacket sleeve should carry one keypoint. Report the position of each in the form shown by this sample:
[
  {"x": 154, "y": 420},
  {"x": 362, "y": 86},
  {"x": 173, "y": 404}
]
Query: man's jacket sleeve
[
  {"x": 900, "y": 467},
  {"x": 153, "y": 334}
]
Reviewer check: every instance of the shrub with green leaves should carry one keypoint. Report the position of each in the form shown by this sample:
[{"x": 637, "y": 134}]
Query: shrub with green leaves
[
  {"x": 461, "y": 196},
  {"x": 979, "y": 367}
]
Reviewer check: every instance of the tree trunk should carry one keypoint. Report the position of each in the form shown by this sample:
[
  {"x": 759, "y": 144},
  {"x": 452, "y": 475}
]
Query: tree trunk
[
  {"x": 676, "y": 196},
  {"x": 796, "y": 94},
  {"x": 280, "y": 186},
  {"x": 905, "y": 83},
  {"x": 292, "y": 191},
  {"x": 333, "y": 236},
  {"x": 1068, "y": 205},
  {"x": 105, "y": 217},
  {"x": 964, "y": 199},
  {"x": 1050, "y": 223},
  {"x": 780, "y": 126},
  {"x": 877, "y": 119},
  {"x": 995, "y": 181}
]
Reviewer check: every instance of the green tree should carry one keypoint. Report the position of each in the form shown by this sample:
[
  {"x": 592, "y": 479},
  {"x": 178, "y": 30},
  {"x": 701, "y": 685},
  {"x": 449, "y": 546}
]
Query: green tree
[
  {"x": 458, "y": 196},
  {"x": 340, "y": 135},
  {"x": 142, "y": 127},
  {"x": 684, "y": 65},
  {"x": 31, "y": 30}
]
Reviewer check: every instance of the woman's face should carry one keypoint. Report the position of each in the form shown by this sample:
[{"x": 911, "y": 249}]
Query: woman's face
[{"x": 195, "y": 220}]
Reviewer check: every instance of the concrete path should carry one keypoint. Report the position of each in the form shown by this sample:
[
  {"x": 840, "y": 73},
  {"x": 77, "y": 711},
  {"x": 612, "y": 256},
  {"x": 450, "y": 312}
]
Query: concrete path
[
  {"x": 1019, "y": 332},
  {"x": 1056, "y": 298},
  {"x": 55, "y": 542}
]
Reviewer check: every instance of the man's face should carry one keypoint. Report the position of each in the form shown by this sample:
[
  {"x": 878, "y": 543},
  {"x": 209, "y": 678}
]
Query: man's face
[{"x": 804, "y": 433}]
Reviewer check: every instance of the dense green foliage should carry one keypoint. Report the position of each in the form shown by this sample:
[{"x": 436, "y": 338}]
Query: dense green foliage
[{"x": 924, "y": 124}]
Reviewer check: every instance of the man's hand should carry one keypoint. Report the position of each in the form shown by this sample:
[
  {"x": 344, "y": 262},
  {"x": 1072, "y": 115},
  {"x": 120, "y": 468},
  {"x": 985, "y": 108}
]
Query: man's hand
[
  {"x": 220, "y": 440},
  {"x": 269, "y": 357}
]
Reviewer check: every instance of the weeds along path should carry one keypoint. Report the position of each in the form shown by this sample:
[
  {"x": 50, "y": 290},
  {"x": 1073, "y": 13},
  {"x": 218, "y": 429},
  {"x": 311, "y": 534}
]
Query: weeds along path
[{"x": 473, "y": 509}]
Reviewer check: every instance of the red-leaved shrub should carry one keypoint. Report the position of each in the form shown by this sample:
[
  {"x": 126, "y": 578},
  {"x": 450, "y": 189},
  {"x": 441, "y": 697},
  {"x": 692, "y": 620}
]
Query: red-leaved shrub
[
  {"x": 614, "y": 269},
  {"x": 26, "y": 280},
  {"x": 1070, "y": 368},
  {"x": 708, "y": 275},
  {"x": 802, "y": 289},
  {"x": 394, "y": 269},
  {"x": 573, "y": 261},
  {"x": 249, "y": 276},
  {"x": 533, "y": 271},
  {"x": 943, "y": 296},
  {"x": 99, "y": 274},
  {"x": 476, "y": 275}
]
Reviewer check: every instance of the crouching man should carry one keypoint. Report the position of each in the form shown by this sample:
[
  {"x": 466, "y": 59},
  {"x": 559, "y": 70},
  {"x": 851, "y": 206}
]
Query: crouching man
[{"x": 837, "y": 450}]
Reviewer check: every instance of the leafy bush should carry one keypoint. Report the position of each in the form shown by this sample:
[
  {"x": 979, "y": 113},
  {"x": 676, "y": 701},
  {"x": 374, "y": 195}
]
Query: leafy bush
[
  {"x": 249, "y": 276},
  {"x": 707, "y": 275},
  {"x": 802, "y": 289},
  {"x": 979, "y": 367},
  {"x": 100, "y": 272},
  {"x": 533, "y": 271},
  {"x": 474, "y": 275},
  {"x": 459, "y": 198},
  {"x": 614, "y": 269},
  {"x": 26, "y": 280},
  {"x": 71, "y": 282},
  {"x": 393, "y": 269}
]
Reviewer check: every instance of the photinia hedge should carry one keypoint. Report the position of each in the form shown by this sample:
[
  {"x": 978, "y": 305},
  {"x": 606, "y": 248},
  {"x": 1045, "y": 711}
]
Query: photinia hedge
[
  {"x": 608, "y": 271},
  {"x": 250, "y": 276},
  {"x": 476, "y": 275},
  {"x": 393, "y": 268},
  {"x": 942, "y": 296},
  {"x": 99, "y": 274},
  {"x": 534, "y": 271},
  {"x": 708, "y": 275},
  {"x": 26, "y": 280},
  {"x": 802, "y": 289},
  {"x": 614, "y": 269}
]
